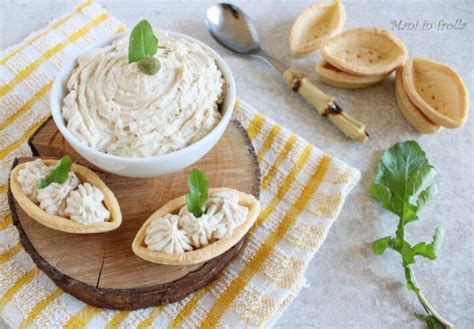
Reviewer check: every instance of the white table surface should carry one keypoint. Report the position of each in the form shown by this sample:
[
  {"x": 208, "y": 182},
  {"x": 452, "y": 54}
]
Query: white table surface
[{"x": 348, "y": 285}]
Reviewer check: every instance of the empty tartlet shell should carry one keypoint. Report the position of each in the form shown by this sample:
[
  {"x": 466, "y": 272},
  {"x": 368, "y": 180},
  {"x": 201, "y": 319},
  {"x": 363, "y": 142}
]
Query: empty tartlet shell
[
  {"x": 332, "y": 76},
  {"x": 200, "y": 255},
  {"x": 314, "y": 25},
  {"x": 437, "y": 90},
  {"x": 412, "y": 114},
  {"x": 365, "y": 51},
  {"x": 64, "y": 224}
]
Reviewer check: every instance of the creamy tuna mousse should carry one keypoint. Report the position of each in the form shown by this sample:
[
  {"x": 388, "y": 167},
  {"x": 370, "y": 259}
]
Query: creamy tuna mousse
[{"x": 115, "y": 108}]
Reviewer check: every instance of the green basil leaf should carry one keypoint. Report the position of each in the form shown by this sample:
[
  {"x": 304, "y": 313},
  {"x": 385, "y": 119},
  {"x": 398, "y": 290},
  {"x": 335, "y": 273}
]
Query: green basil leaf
[
  {"x": 58, "y": 174},
  {"x": 198, "y": 187},
  {"x": 143, "y": 42}
]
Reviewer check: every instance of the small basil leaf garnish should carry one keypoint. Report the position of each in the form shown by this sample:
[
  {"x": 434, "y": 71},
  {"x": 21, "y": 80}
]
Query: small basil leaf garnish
[
  {"x": 198, "y": 187},
  {"x": 58, "y": 174}
]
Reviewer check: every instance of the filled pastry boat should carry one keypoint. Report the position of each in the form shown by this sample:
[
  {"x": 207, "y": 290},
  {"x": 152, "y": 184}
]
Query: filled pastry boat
[
  {"x": 365, "y": 51},
  {"x": 332, "y": 76},
  {"x": 314, "y": 25},
  {"x": 174, "y": 236},
  {"x": 412, "y": 114},
  {"x": 437, "y": 91},
  {"x": 81, "y": 203}
]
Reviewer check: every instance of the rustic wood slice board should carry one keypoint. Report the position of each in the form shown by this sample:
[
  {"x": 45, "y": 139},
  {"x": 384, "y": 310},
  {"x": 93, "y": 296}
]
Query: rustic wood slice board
[{"x": 101, "y": 269}]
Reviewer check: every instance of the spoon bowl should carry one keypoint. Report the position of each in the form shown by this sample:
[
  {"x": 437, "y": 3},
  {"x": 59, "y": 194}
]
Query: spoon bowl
[{"x": 232, "y": 29}]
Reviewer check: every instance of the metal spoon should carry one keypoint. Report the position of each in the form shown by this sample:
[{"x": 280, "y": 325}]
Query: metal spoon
[{"x": 234, "y": 30}]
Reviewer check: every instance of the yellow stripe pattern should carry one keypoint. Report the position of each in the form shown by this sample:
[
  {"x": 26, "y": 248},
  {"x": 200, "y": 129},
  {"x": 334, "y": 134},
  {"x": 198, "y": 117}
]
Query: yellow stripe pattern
[
  {"x": 284, "y": 175},
  {"x": 281, "y": 156},
  {"x": 117, "y": 319},
  {"x": 7, "y": 255},
  {"x": 186, "y": 310},
  {"x": 40, "y": 307},
  {"x": 27, "y": 106},
  {"x": 6, "y": 222},
  {"x": 148, "y": 321},
  {"x": 281, "y": 193},
  {"x": 255, "y": 126},
  {"x": 53, "y": 27},
  {"x": 20, "y": 283},
  {"x": 83, "y": 317},
  {"x": 267, "y": 144},
  {"x": 50, "y": 53},
  {"x": 10, "y": 148}
]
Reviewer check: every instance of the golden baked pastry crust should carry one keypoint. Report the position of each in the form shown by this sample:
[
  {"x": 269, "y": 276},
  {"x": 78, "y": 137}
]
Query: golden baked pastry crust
[
  {"x": 437, "y": 90},
  {"x": 64, "y": 224},
  {"x": 198, "y": 255},
  {"x": 365, "y": 51},
  {"x": 334, "y": 77},
  {"x": 314, "y": 25},
  {"x": 412, "y": 114}
]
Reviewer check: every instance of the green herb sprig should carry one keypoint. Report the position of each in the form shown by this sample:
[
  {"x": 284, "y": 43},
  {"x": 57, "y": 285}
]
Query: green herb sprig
[
  {"x": 58, "y": 174},
  {"x": 142, "y": 47},
  {"x": 404, "y": 184},
  {"x": 198, "y": 187}
]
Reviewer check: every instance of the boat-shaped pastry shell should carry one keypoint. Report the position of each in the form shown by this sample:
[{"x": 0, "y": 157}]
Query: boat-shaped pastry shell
[
  {"x": 64, "y": 224},
  {"x": 437, "y": 90},
  {"x": 412, "y": 114},
  {"x": 314, "y": 25},
  {"x": 365, "y": 51},
  {"x": 203, "y": 254},
  {"x": 332, "y": 76}
]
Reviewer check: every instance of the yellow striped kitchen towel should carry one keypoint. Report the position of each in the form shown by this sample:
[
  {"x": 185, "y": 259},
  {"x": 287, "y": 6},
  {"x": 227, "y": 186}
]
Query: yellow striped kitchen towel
[{"x": 303, "y": 190}]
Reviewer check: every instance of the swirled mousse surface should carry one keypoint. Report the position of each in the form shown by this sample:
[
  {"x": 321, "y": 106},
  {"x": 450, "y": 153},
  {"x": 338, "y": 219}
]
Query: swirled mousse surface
[{"x": 115, "y": 108}]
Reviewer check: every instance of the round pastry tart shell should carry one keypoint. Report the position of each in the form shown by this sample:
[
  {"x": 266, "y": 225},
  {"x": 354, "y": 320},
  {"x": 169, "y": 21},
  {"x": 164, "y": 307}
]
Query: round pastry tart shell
[
  {"x": 314, "y": 25},
  {"x": 365, "y": 51},
  {"x": 334, "y": 77},
  {"x": 437, "y": 90},
  {"x": 64, "y": 224},
  {"x": 412, "y": 114},
  {"x": 202, "y": 254}
]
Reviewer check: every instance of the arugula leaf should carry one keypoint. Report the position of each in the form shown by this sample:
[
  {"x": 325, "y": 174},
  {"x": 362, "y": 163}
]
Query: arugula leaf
[
  {"x": 431, "y": 250},
  {"x": 143, "y": 42},
  {"x": 404, "y": 184},
  {"x": 380, "y": 245},
  {"x": 403, "y": 172},
  {"x": 429, "y": 319},
  {"x": 198, "y": 187},
  {"x": 58, "y": 174},
  {"x": 427, "y": 195}
]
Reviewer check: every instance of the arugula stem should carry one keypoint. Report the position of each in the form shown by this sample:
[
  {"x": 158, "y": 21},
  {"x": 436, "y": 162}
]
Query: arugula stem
[
  {"x": 410, "y": 277},
  {"x": 413, "y": 285}
]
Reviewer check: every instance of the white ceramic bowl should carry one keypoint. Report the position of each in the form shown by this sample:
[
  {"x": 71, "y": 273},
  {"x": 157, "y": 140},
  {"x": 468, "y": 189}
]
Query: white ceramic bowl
[{"x": 145, "y": 166}]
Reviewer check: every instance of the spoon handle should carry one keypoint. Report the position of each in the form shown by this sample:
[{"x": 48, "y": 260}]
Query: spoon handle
[{"x": 326, "y": 106}]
